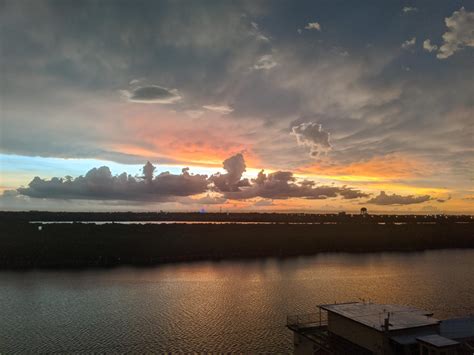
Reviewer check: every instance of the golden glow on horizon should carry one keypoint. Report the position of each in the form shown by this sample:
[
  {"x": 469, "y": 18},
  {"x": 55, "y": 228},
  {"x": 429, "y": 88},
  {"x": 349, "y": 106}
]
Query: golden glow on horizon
[{"x": 383, "y": 168}]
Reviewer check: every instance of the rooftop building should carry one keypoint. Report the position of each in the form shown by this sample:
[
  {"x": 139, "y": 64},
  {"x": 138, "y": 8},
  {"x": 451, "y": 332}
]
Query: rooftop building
[{"x": 370, "y": 328}]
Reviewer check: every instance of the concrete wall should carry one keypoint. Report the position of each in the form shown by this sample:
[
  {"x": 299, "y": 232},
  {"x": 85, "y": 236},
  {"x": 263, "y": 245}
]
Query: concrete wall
[
  {"x": 355, "y": 332},
  {"x": 365, "y": 336}
]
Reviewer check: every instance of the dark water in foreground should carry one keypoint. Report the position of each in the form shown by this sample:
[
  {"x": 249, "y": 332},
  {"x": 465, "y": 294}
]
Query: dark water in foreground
[{"x": 226, "y": 306}]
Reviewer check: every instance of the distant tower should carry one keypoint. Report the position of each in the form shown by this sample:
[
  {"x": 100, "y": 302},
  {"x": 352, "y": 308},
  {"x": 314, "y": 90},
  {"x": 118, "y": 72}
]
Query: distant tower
[{"x": 363, "y": 211}]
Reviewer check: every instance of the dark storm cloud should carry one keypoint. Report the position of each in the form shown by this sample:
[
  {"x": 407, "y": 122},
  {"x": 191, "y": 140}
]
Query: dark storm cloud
[
  {"x": 394, "y": 199},
  {"x": 277, "y": 185},
  {"x": 100, "y": 184}
]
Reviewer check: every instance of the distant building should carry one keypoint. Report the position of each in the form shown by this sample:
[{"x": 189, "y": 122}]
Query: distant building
[
  {"x": 369, "y": 328},
  {"x": 363, "y": 211}
]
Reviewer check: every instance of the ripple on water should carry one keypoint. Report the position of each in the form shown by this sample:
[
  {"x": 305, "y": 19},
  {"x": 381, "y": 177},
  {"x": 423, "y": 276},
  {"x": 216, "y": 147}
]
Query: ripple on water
[{"x": 219, "y": 307}]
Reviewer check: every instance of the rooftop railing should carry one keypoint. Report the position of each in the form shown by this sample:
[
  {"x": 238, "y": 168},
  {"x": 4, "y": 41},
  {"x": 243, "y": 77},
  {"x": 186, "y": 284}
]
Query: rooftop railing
[{"x": 307, "y": 320}]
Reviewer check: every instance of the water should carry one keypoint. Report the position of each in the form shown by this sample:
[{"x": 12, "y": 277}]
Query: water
[
  {"x": 207, "y": 222},
  {"x": 225, "y": 306}
]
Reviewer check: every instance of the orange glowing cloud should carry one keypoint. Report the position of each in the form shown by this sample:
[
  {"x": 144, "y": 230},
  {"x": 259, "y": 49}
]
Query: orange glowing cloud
[
  {"x": 195, "y": 141},
  {"x": 382, "y": 168}
]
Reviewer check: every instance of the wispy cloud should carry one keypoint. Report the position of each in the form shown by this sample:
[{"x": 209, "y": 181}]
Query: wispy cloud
[
  {"x": 408, "y": 9},
  {"x": 409, "y": 43},
  {"x": 313, "y": 26},
  {"x": 427, "y": 46},
  {"x": 265, "y": 62},
  {"x": 222, "y": 109}
]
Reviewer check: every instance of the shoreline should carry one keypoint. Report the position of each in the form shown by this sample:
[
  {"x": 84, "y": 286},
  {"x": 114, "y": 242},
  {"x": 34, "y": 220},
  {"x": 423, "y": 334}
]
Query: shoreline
[{"x": 81, "y": 245}]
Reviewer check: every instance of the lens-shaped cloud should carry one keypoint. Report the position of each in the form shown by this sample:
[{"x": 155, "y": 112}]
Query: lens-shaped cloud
[{"x": 151, "y": 94}]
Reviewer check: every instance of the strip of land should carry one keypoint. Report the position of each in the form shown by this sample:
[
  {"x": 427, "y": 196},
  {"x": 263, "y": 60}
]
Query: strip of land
[
  {"x": 341, "y": 217},
  {"x": 29, "y": 245}
]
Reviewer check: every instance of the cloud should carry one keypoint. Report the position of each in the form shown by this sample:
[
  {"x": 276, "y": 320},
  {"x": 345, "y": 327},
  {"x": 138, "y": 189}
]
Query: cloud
[
  {"x": 100, "y": 184},
  {"x": 211, "y": 200},
  {"x": 263, "y": 203},
  {"x": 430, "y": 208},
  {"x": 394, "y": 199},
  {"x": 409, "y": 43},
  {"x": 408, "y": 9},
  {"x": 427, "y": 46},
  {"x": 257, "y": 33},
  {"x": 283, "y": 185},
  {"x": 311, "y": 134},
  {"x": 277, "y": 185},
  {"x": 460, "y": 33},
  {"x": 265, "y": 62},
  {"x": 222, "y": 109},
  {"x": 442, "y": 200},
  {"x": 56, "y": 101},
  {"x": 194, "y": 113},
  {"x": 232, "y": 180},
  {"x": 313, "y": 26},
  {"x": 150, "y": 94}
]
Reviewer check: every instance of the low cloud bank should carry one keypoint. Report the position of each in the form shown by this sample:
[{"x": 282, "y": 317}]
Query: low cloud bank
[
  {"x": 100, "y": 184},
  {"x": 277, "y": 185},
  {"x": 394, "y": 199}
]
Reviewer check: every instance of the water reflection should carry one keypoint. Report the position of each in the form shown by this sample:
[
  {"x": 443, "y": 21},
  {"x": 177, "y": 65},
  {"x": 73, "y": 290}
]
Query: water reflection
[{"x": 216, "y": 306}]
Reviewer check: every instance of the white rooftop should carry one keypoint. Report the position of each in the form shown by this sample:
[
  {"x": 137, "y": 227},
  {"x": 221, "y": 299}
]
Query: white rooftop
[
  {"x": 437, "y": 340},
  {"x": 373, "y": 315}
]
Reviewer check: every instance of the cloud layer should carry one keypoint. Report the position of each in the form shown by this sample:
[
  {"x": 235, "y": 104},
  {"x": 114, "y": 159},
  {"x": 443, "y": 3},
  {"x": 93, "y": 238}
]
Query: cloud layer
[
  {"x": 100, "y": 184},
  {"x": 312, "y": 135},
  {"x": 277, "y": 185},
  {"x": 203, "y": 80},
  {"x": 394, "y": 199}
]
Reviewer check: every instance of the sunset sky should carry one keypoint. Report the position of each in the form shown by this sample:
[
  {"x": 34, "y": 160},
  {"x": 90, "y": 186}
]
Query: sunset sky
[{"x": 343, "y": 104}]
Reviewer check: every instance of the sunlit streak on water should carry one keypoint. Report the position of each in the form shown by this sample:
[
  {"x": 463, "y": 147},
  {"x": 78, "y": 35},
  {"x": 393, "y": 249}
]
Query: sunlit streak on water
[{"x": 221, "y": 306}]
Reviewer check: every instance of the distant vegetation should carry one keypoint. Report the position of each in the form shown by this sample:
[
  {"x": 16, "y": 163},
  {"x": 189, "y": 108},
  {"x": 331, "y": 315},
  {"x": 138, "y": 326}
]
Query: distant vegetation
[
  {"x": 230, "y": 217},
  {"x": 23, "y": 244}
]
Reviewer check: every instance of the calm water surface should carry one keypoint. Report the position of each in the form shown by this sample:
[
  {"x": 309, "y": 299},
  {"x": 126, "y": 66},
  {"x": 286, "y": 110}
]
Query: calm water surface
[{"x": 225, "y": 306}]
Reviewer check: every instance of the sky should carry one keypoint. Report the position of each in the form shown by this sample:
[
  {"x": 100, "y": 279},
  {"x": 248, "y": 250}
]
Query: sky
[{"x": 301, "y": 106}]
